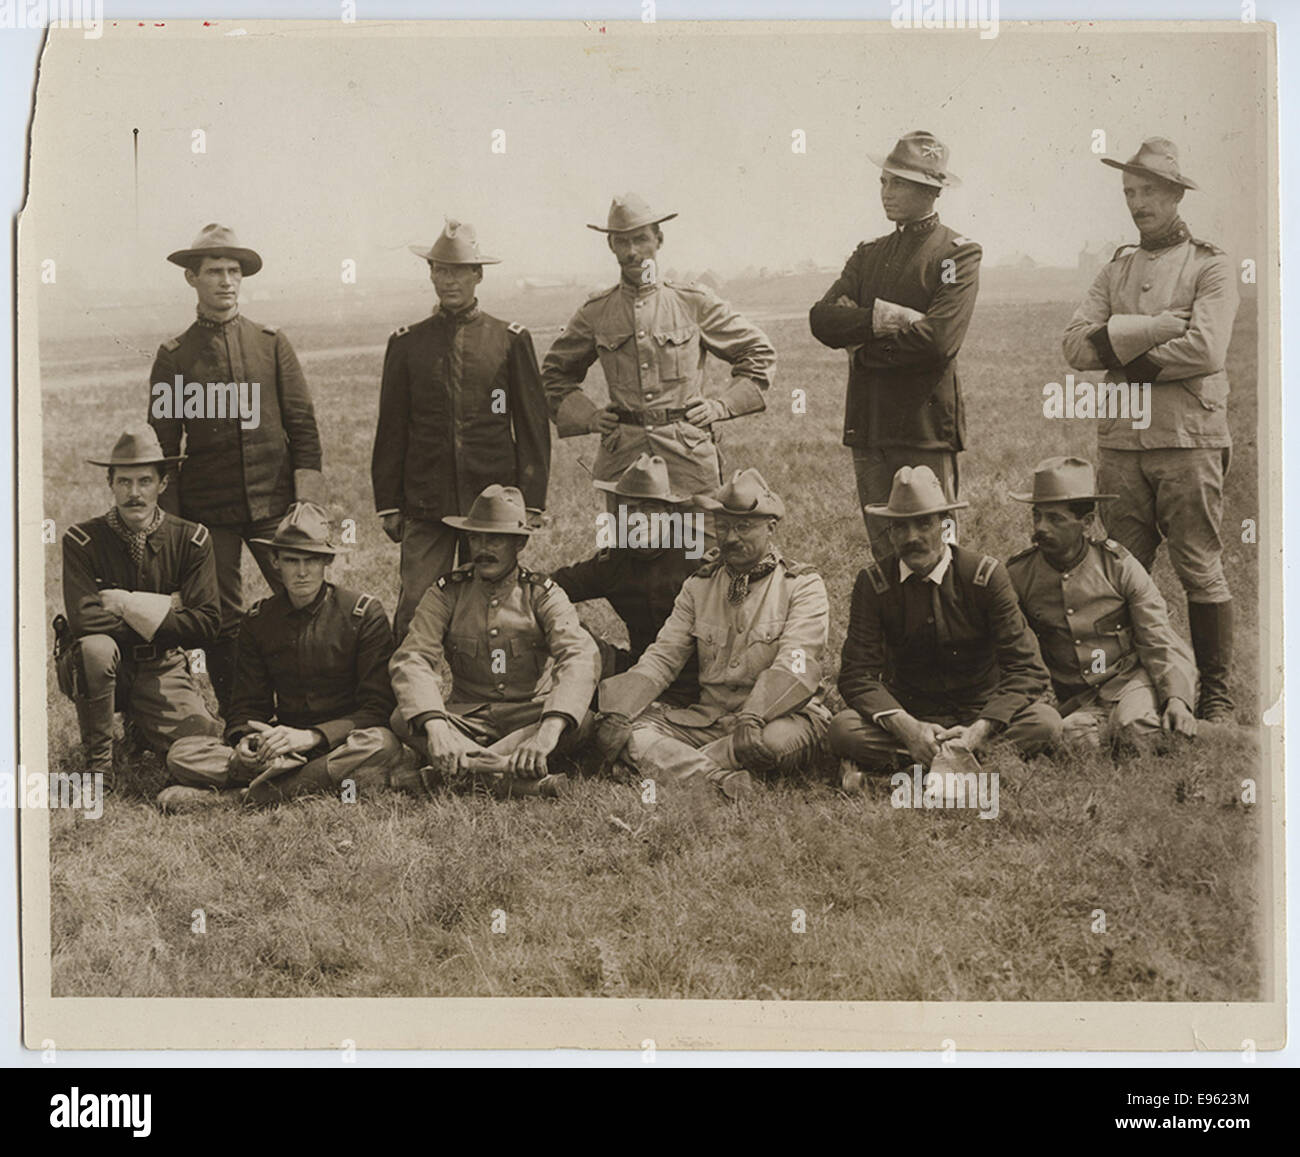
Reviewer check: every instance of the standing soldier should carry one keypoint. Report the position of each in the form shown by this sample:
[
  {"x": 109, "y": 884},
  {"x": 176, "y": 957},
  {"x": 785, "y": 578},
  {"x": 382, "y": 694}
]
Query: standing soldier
[
  {"x": 523, "y": 670},
  {"x": 139, "y": 587},
  {"x": 461, "y": 407},
  {"x": 651, "y": 336},
  {"x": 641, "y": 583},
  {"x": 901, "y": 308},
  {"x": 1160, "y": 315},
  {"x": 1118, "y": 668},
  {"x": 311, "y": 700},
  {"x": 242, "y": 471}
]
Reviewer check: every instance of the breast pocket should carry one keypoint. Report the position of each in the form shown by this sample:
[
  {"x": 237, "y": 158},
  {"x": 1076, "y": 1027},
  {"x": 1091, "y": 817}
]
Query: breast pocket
[
  {"x": 1116, "y": 630},
  {"x": 709, "y": 646},
  {"x": 678, "y": 352},
  {"x": 617, "y": 357},
  {"x": 764, "y": 645},
  {"x": 528, "y": 658},
  {"x": 463, "y": 657}
]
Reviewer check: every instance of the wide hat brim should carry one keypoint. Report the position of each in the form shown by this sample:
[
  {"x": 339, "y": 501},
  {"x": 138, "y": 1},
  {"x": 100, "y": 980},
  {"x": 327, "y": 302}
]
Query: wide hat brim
[
  {"x": 147, "y": 461},
  {"x": 474, "y": 524},
  {"x": 884, "y": 511},
  {"x": 613, "y": 488},
  {"x": 713, "y": 505},
  {"x": 652, "y": 219},
  {"x": 943, "y": 181},
  {"x": 249, "y": 261},
  {"x": 1044, "y": 498},
  {"x": 304, "y": 547},
  {"x": 427, "y": 254},
  {"x": 1146, "y": 171}
]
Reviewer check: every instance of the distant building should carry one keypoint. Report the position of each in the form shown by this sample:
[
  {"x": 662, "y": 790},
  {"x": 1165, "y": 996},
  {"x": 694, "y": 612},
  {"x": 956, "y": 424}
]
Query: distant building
[{"x": 1095, "y": 254}]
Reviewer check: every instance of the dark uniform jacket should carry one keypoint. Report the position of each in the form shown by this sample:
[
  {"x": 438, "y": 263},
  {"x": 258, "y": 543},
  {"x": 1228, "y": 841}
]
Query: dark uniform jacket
[
  {"x": 903, "y": 387},
  {"x": 232, "y": 475},
  {"x": 460, "y": 407},
  {"x": 177, "y": 561},
  {"x": 641, "y": 586},
  {"x": 324, "y": 665},
  {"x": 960, "y": 648}
]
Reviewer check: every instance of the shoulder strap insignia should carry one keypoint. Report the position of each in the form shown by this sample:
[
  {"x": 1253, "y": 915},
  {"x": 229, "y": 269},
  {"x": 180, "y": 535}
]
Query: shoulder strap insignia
[
  {"x": 200, "y": 535},
  {"x": 1115, "y": 548},
  {"x": 461, "y": 574},
  {"x": 604, "y": 555},
  {"x": 1207, "y": 245},
  {"x": 79, "y": 536},
  {"x": 1033, "y": 549},
  {"x": 401, "y": 329},
  {"x": 515, "y": 327},
  {"x": 1122, "y": 250},
  {"x": 877, "y": 576},
  {"x": 984, "y": 571},
  {"x": 712, "y": 560},
  {"x": 273, "y": 330},
  {"x": 255, "y": 609},
  {"x": 601, "y": 293},
  {"x": 536, "y": 578},
  {"x": 362, "y": 603},
  {"x": 172, "y": 344},
  {"x": 961, "y": 240},
  {"x": 797, "y": 568}
]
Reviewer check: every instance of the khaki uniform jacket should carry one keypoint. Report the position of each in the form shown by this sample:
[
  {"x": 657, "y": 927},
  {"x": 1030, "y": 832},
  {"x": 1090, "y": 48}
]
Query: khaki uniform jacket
[
  {"x": 1101, "y": 622},
  {"x": 178, "y": 561},
  {"x": 763, "y": 656},
  {"x": 651, "y": 343},
  {"x": 959, "y": 648},
  {"x": 1110, "y": 331},
  {"x": 460, "y": 407},
  {"x": 324, "y": 665},
  {"x": 904, "y": 388},
  {"x": 233, "y": 475},
  {"x": 512, "y": 641}
]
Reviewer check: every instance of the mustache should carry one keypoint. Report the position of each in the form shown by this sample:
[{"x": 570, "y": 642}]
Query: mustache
[{"x": 486, "y": 558}]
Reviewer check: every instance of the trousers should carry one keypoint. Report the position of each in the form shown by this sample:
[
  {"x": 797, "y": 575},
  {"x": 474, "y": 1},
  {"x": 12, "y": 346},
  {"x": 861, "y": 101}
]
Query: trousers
[
  {"x": 875, "y": 467},
  {"x": 428, "y": 553}
]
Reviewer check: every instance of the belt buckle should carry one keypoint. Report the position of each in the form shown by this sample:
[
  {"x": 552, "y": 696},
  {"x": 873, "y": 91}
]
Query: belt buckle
[{"x": 143, "y": 651}]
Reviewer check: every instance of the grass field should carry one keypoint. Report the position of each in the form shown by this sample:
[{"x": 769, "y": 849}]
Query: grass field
[{"x": 602, "y": 895}]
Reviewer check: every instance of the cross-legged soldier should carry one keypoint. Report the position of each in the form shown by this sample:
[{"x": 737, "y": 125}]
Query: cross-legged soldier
[{"x": 311, "y": 702}]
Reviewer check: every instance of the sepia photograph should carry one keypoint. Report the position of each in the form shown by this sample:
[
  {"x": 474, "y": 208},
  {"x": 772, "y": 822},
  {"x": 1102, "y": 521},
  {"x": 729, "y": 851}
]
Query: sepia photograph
[{"x": 730, "y": 535}]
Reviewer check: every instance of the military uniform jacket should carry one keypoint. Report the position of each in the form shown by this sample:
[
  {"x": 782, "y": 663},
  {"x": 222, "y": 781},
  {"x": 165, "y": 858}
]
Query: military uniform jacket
[
  {"x": 1109, "y": 331},
  {"x": 903, "y": 387},
  {"x": 178, "y": 561},
  {"x": 324, "y": 665},
  {"x": 1102, "y": 622},
  {"x": 961, "y": 647},
  {"x": 233, "y": 475},
  {"x": 460, "y": 407},
  {"x": 511, "y": 641},
  {"x": 651, "y": 342},
  {"x": 641, "y": 586},
  {"x": 763, "y": 656}
]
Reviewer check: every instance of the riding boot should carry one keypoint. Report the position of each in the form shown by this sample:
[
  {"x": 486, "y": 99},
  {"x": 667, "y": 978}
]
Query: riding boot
[
  {"x": 95, "y": 720},
  {"x": 1211, "y": 628}
]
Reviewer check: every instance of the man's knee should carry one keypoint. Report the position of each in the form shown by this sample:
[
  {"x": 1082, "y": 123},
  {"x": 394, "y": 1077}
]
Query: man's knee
[
  {"x": 793, "y": 739},
  {"x": 1035, "y": 727},
  {"x": 850, "y": 736},
  {"x": 200, "y": 761},
  {"x": 99, "y": 658}
]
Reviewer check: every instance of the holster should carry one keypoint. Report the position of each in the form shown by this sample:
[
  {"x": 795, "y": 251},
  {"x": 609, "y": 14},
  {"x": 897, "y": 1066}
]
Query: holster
[{"x": 67, "y": 660}]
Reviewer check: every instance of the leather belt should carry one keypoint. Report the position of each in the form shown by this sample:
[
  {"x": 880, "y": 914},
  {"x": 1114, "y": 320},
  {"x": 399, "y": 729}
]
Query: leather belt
[
  {"x": 146, "y": 652},
  {"x": 649, "y": 417}
]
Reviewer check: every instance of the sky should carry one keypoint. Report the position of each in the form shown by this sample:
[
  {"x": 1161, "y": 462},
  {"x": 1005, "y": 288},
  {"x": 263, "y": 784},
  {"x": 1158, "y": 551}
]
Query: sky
[{"x": 338, "y": 142}]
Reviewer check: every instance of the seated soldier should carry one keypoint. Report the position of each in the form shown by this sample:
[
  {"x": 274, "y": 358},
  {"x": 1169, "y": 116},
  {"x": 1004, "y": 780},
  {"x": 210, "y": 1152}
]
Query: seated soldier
[
  {"x": 758, "y": 623},
  {"x": 139, "y": 588},
  {"x": 937, "y": 651},
  {"x": 639, "y": 581},
  {"x": 311, "y": 698},
  {"x": 523, "y": 669},
  {"x": 1117, "y": 666}
]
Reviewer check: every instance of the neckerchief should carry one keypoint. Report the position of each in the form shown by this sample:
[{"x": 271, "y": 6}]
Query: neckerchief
[
  {"x": 1176, "y": 232},
  {"x": 134, "y": 539},
  {"x": 739, "y": 587}
]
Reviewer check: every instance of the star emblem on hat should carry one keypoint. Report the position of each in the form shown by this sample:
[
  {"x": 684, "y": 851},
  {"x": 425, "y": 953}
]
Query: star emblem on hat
[{"x": 934, "y": 150}]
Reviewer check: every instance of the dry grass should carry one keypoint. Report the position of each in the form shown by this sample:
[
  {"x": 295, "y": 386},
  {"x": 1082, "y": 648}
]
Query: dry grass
[{"x": 397, "y": 897}]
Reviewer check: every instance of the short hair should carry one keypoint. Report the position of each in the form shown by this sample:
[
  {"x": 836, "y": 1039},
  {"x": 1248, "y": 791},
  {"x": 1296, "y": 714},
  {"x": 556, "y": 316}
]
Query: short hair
[
  {"x": 1081, "y": 507},
  {"x": 158, "y": 466}
]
